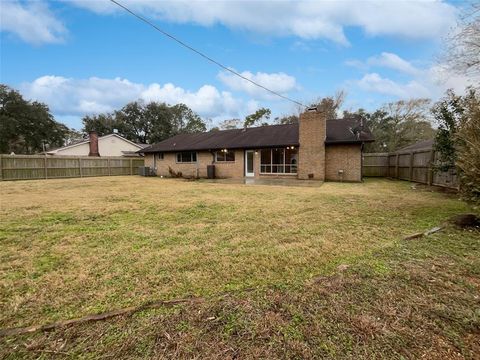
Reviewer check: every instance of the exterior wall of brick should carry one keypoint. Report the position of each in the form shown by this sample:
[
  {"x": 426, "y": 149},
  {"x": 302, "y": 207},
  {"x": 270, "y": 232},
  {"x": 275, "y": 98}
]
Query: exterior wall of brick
[
  {"x": 346, "y": 157},
  {"x": 233, "y": 169},
  {"x": 148, "y": 160},
  {"x": 315, "y": 160},
  {"x": 311, "y": 153}
]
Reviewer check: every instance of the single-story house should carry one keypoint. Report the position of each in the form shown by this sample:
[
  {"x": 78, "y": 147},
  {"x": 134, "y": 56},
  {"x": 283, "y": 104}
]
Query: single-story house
[
  {"x": 105, "y": 146},
  {"x": 315, "y": 148}
]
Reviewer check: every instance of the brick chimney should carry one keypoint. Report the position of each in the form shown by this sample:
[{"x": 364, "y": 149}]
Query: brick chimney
[
  {"x": 93, "y": 137},
  {"x": 311, "y": 153}
]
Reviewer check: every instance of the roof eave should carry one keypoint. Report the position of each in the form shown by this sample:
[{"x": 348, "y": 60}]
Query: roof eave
[
  {"x": 220, "y": 148},
  {"x": 338, "y": 142}
]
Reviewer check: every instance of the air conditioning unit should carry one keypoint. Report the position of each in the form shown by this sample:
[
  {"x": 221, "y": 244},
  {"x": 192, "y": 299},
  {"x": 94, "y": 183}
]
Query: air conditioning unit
[{"x": 146, "y": 171}]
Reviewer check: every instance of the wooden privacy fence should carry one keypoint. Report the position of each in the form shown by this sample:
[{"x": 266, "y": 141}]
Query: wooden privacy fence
[
  {"x": 417, "y": 166},
  {"x": 24, "y": 167}
]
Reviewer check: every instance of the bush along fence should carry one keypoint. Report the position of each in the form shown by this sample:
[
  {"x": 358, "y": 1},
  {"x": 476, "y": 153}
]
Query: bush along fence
[
  {"x": 25, "y": 167},
  {"x": 417, "y": 166}
]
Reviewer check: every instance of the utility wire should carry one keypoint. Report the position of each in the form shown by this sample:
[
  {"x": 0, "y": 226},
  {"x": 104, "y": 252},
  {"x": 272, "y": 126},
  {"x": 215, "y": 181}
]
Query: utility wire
[{"x": 203, "y": 55}]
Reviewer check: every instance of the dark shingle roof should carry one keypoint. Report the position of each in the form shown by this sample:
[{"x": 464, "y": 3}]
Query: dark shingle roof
[
  {"x": 420, "y": 145},
  {"x": 257, "y": 137},
  {"x": 338, "y": 131},
  {"x": 346, "y": 131}
]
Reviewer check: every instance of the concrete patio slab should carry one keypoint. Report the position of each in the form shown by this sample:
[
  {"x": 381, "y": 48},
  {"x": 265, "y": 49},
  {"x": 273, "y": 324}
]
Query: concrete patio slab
[{"x": 267, "y": 181}]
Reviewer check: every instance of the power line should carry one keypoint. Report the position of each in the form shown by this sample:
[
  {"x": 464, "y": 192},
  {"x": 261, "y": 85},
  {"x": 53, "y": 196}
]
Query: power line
[{"x": 203, "y": 55}]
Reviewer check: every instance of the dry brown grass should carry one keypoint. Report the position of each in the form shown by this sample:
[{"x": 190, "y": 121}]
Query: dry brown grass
[{"x": 72, "y": 247}]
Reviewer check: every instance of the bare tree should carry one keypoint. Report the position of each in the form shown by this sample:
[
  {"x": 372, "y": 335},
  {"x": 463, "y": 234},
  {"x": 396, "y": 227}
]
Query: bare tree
[
  {"x": 409, "y": 110},
  {"x": 409, "y": 121},
  {"x": 230, "y": 124},
  {"x": 462, "y": 53},
  {"x": 331, "y": 104}
]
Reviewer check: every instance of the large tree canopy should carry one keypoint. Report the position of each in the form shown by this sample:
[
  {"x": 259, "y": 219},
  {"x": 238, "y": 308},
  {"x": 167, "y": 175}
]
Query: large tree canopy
[
  {"x": 287, "y": 119},
  {"x": 27, "y": 127},
  {"x": 146, "y": 123},
  {"x": 331, "y": 104},
  {"x": 397, "y": 124},
  {"x": 229, "y": 124},
  {"x": 458, "y": 139},
  {"x": 257, "y": 116}
]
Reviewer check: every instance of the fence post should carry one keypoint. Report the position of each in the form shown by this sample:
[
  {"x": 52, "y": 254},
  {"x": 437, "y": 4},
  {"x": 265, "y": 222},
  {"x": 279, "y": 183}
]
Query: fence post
[
  {"x": 80, "y": 166},
  {"x": 396, "y": 167},
  {"x": 108, "y": 167},
  {"x": 411, "y": 166},
  {"x": 430, "y": 167},
  {"x": 1, "y": 167},
  {"x": 45, "y": 166},
  {"x": 131, "y": 166}
]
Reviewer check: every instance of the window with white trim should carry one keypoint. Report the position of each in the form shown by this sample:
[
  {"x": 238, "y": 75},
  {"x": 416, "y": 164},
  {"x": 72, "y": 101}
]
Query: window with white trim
[
  {"x": 187, "y": 157},
  {"x": 224, "y": 155},
  {"x": 279, "y": 160}
]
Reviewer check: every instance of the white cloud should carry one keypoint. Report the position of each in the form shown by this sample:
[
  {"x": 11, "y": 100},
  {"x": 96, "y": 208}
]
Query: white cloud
[
  {"x": 373, "y": 82},
  {"x": 393, "y": 61},
  {"x": 429, "y": 82},
  {"x": 439, "y": 79},
  {"x": 357, "y": 64},
  {"x": 67, "y": 96},
  {"x": 252, "y": 106},
  {"x": 304, "y": 19},
  {"x": 385, "y": 60},
  {"x": 207, "y": 101},
  {"x": 278, "y": 82},
  {"x": 32, "y": 21}
]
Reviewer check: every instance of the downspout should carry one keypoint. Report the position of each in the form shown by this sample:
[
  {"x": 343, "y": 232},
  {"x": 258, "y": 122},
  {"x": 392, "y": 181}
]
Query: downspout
[
  {"x": 361, "y": 161},
  {"x": 197, "y": 169}
]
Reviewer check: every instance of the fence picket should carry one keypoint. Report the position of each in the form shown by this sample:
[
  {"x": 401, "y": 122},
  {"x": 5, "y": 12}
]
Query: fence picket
[
  {"x": 25, "y": 167},
  {"x": 420, "y": 165}
]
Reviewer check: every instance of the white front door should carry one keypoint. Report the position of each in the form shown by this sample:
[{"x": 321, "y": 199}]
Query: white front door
[{"x": 249, "y": 156}]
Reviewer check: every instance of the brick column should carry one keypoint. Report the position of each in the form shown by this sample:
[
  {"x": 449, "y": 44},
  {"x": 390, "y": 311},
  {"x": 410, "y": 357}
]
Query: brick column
[
  {"x": 311, "y": 153},
  {"x": 93, "y": 137}
]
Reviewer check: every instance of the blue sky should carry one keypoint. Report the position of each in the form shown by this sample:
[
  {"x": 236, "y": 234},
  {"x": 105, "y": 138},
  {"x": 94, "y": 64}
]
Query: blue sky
[{"x": 86, "y": 57}]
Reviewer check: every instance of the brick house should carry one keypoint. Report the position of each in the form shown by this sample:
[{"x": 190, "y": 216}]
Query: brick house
[{"x": 315, "y": 148}]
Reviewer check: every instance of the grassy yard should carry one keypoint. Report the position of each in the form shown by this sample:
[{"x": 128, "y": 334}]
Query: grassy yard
[{"x": 263, "y": 258}]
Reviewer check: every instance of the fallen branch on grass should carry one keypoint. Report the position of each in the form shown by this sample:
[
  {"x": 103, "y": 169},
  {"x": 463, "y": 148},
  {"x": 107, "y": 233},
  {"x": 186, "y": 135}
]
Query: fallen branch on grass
[
  {"x": 422, "y": 234},
  {"x": 96, "y": 317},
  {"x": 460, "y": 221}
]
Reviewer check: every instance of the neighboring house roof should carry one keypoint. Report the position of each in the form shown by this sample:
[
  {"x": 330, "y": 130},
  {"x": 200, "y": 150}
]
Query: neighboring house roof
[
  {"x": 338, "y": 131},
  {"x": 86, "y": 141},
  {"x": 420, "y": 145}
]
